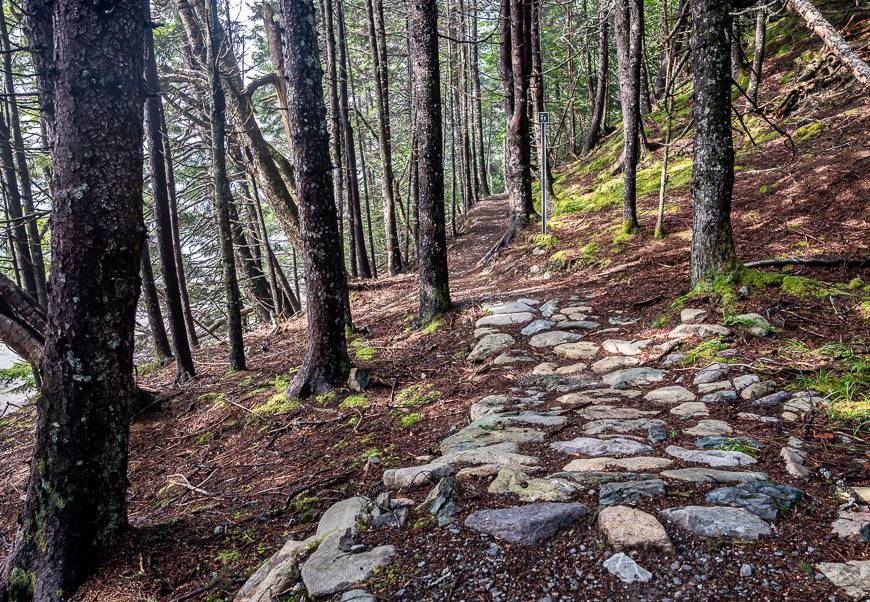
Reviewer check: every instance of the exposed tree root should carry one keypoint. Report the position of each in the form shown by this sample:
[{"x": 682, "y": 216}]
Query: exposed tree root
[{"x": 516, "y": 225}]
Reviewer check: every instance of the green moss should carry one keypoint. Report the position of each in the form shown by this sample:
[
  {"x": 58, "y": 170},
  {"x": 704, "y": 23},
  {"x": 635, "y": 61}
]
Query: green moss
[
  {"x": 855, "y": 284},
  {"x": 205, "y": 438},
  {"x": 409, "y": 420},
  {"x": 548, "y": 241},
  {"x": 809, "y": 131},
  {"x": 574, "y": 258},
  {"x": 362, "y": 350},
  {"x": 704, "y": 352},
  {"x": 433, "y": 326},
  {"x": 21, "y": 584},
  {"x": 354, "y": 401},
  {"x": 660, "y": 322},
  {"x": 326, "y": 398},
  {"x": 278, "y": 403},
  {"x": 417, "y": 395},
  {"x": 304, "y": 507}
]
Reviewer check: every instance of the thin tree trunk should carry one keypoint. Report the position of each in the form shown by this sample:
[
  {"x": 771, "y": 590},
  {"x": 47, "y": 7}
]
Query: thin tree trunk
[
  {"x": 221, "y": 191},
  {"x": 377, "y": 39},
  {"x": 253, "y": 280},
  {"x": 713, "y": 168},
  {"x": 76, "y": 506},
  {"x": 159, "y": 341},
  {"x": 672, "y": 44},
  {"x": 326, "y": 362},
  {"x": 757, "y": 56},
  {"x": 184, "y": 368},
  {"x": 483, "y": 164},
  {"x": 598, "y": 111},
  {"x": 736, "y": 49},
  {"x": 15, "y": 213},
  {"x": 628, "y": 30}
]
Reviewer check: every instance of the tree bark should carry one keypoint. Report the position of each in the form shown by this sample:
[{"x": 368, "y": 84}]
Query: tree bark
[
  {"x": 833, "y": 40},
  {"x": 597, "y": 119},
  {"x": 483, "y": 166},
  {"x": 757, "y": 56},
  {"x": 713, "y": 168},
  {"x": 326, "y": 362},
  {"x": 184, "y": 368},
  {"x": 221, "y": 190},
  {"x": 672, "y": 44},
  {"x": 433, "y": 276},
  {"x": 159, "y": 341},
  {"x": 76, "y": 505},
  {"x": 628, "y": 30},
  {"x": 377, "y": 39}
]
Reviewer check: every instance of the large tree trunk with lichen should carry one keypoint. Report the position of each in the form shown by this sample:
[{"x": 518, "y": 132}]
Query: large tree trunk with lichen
[
  {"x": 76, "y": 497},
  {"x": 757, "y": 56},
  {"x": 628, "y": 32},
  {"x": 326, "y": 362},
  {"x": 434, "y": 286},
  {"x": 713, "y": 168}
]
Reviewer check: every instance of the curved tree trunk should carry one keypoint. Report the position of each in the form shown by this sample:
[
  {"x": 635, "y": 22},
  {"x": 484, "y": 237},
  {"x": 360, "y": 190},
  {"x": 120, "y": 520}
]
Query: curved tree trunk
[
  {"x": 159, "y": 341},
  {"x": 600, "y": 86},
  {"x": 76, "y": 504}
]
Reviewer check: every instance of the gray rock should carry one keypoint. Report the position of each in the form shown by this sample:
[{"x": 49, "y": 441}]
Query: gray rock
[
  {"x": 276, "y": 574},
  {"x": 709, "y": 428},
  {"x": 505, "y": 319},
  {"x": 600, "y": 477},
  {"x": 604, "y": 412},
  {"x": 704, "y": 331},
  {"x": 553, "y": 338},
  {"x": 625, "y": 569},
  {"x": 633, "y": 463},
  {"x": 581, "y": 350},
  {"x": 623, "y": 379},
  {"x": 596, "y": 427},
  {"x": 491, "y": 404},
  {"x": 442, "y": 501},
  {"x": 415, "y": 476},
  {"x": 479, "y": 333},
  {"x": 720, "y": 397},
  {"x": 342, "y": 515},
  {"x": 626, "y": 347},
  {"x": 558, "y": 382},
  {"x": 712, "y": 373},
  {"x": 717, "y": 521},
  {"x": 772, "y": 400},
  {"x": 509, "y": 308},
  {"x": 719, "y": 385},
  {"x": 331, "y": 569},
  {"x": 852, "y": 525},
  {"x": 756, "y": 324},
  {"x": 758, "y": 390},
  {"x": 672, "y": 359},
  {"x": 516, "y": 482},
  {"x": 715, "y": 458},
  {"x": 614, "y": 362},
  {"x": 670, "y": 394},
  {"x": 499, "y": 453},
  {"x": 691, "y": 315},
  {"x": 720, "y": 442},
  {"x": 761, "y": 498},
  {"x": 483, "y": 435},
  {"x": 794, "y": 462},
  {"x": 627, "y": 528},
  {"x": 358, "y": 379},
  {"x": 690, "y": 409},
  {"x": 617, "y": 446},
  {"x": 743, "y": 381},
  {"x": 357, "y": 595},
  {"x": 579, "y": 325},
  {"x": 490, "y": 345},
  {"x": 549, "y": 308},
  {"x": 629, "y": 494},
  {"x": 576, "y": 368},
  {"x": 529, "y": 524},
  {"x": 537, "y": 326},
  {"x": 712, "y": 475},
  {"x": 656, "y": 433},
  {"x": 757, "y": 418},
  {"x": 852, "y": 577},
  {"x": 512, "y": 358},
  {"x": 746, "y": 570},
  {"x": 545, "y": 368},
  {"x": 528, "y": 301}
]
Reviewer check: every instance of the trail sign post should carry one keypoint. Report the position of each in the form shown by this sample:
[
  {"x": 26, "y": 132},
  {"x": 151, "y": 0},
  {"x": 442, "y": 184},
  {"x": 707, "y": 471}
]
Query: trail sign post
[{"x": 543, "y": 120}]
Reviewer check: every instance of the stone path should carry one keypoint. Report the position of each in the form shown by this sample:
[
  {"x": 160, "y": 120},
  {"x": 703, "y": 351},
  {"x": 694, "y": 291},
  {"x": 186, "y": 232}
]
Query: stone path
[{"x": 620, "y": 415}]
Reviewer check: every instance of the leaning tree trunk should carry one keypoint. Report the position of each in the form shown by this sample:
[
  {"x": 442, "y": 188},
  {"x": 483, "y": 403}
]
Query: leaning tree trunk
[
  {"x": 326, "y": 362},
  {"x": 184, "y": 368},
  {"x": 159, "y": 341},
  {"x": 221, "y": 191},
  {"x": 833, "y": 40},
  {"x": 757, "y": 57},
  {"x": 713, "y": 168},
  {"x": 600, "y": 86},
  {"x": 76, "y": 505},
  {"x": 14, "y": 211},
  {"x": 432, "y": 249}
]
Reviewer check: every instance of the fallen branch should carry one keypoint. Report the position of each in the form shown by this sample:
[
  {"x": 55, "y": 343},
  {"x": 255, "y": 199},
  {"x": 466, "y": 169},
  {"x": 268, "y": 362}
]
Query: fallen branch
[{"x": 817, "y": 261}]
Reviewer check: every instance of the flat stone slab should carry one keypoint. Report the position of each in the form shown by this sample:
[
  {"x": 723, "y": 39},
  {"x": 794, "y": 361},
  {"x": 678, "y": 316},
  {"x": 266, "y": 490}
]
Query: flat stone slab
[
  {"x": 627, "y": 528},
  {"x": 545, "y": 368},
  {"x": 602, "y": 412},
  {"x": 712, "y": 373},
  {"x": 479, "y": 333},
  {"x": 720, "y": 397},
  {"x": 717, "y": 521},
  {"x": 342, "y": 516},
  {"x": 508, "y": 358},
  {"x": 277, "y": 574},
  {"x": 499, "y": 453},
  {"x": 415, "y": 476},
  {"x": 630, "y": 493},
  {"x": 579, "y": 325},
  {"x": 852, "y": 577},
  {"x": 562, "y": 383},
  {"x": 576, "y": 368},
  {"x": 719, "y": 442},
  {"x": 505, "y": 418},
  {"x": 692, "y": 315},
  {"x": 712, "y": 475},
  {"x": 624, "y": 568},
  {"x": 707, "y": 428},
  {"x": 852, "y": 525},
  {"x": 509, "y": 308},
  {"x": 474, "y": 436},
  {"x": 599, "y": 478},
  {"x": 330, "y": 570},
  {"x": 704, "y": 331},
  {"x": 634, "y": 463},
  {"x": 719, "y": 385},
  {"x": 505, "y": 319},
  {"x": 596, "y": 427},
  {"x": 553, "y": 338},
  {"x": 622, "y": 379},
  {"x": 491, "y": 470},
  {"x": 714, "y": 457},
  {"x": 690, "y": 409},
  {"x": 537, "y": 326},
  {"x": 490, "y": 345},
  {"x": 526, "y": 525},
  {"x": 587, "y": 446},
  {"x": 516, "y": 482},
  {"x": 670, "y": 394},
  {"x": 626, "y": 347},
  {"x": 614, "y": 362},
  {"x": 491, "y": 404},
  {"x": 761, "y": 498},
  {"x": 596, "y": 396},
  {"x": 581, "y": 350}
]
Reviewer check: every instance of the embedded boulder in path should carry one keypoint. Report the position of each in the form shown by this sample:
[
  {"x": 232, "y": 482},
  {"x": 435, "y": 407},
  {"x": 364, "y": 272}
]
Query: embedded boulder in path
[
  {"x": 526, "y": 525},
  {"x": 511, "y": 481},
  {"x": 505, "y": 319},
  {"x": 581, "y": 350},
  {"x": 489, "y": 346},
  {"x": 553, "y": 338},
  {"x": 761, "y": 498},
  {"x": 614, "y": 362},
  {"x": 335, "y": 568},
  {"x": 852, "y": 577},
  {"x": 670, "y": 394},
  {"x": 712, "y": 457},
  {"x": 509, "y": 308},
  {"x": 712, "y": 475},
  {"x": 627, "y": 528},
  {"x": 537, "y": 326},
  {"x": 630, "y": 493},
  {"x": 633, "y": 463},
  {"x": 623, "y": 379},
  {"x": 587, "y": 446},
  {"x": 415, "y": 476},
  {"x": 717, "y": 521}
]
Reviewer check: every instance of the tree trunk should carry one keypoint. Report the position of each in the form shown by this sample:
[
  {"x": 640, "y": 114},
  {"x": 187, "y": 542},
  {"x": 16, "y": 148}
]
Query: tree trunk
[
  {"x": 713, "y": 168},
  {"x": 672, "y": 44},
  {"x": 628, "y": 30},
  {"x": 76, "y": 505},
  {"x": 17, "y": 140},
  {"x": 326, "y": 362},
  {"x": 597, "y": 119},
  {"x": 736, "y": 49},
  {"x": 434, "y": 286},
  {"x": 833, "y": 40},
  {"x": 757, "y": 56},
  {"x": 377, "y": 39},
  {"x": 221, "y": 191},
  {"x": 483, "y": 166},
  {"x": 253, "y": 279},
  {"x": 14, "y": 211},
  {"x": 159, "y": 341},
  {"x": 275, "y": 43},
  {"x": 536, "y": 82},
  {"x": 373, "y": 264},
  {"x": 39, "y": 29},
  {"x": 184, "y": 368}
]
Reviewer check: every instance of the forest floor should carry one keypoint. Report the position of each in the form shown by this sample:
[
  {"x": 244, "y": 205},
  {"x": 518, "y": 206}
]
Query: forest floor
[{"x": 223, "y": 470}]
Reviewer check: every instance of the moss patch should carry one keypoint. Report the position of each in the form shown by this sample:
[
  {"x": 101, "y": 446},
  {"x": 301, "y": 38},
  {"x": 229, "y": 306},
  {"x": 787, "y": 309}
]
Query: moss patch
[{"x": 809, "y": 131}]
